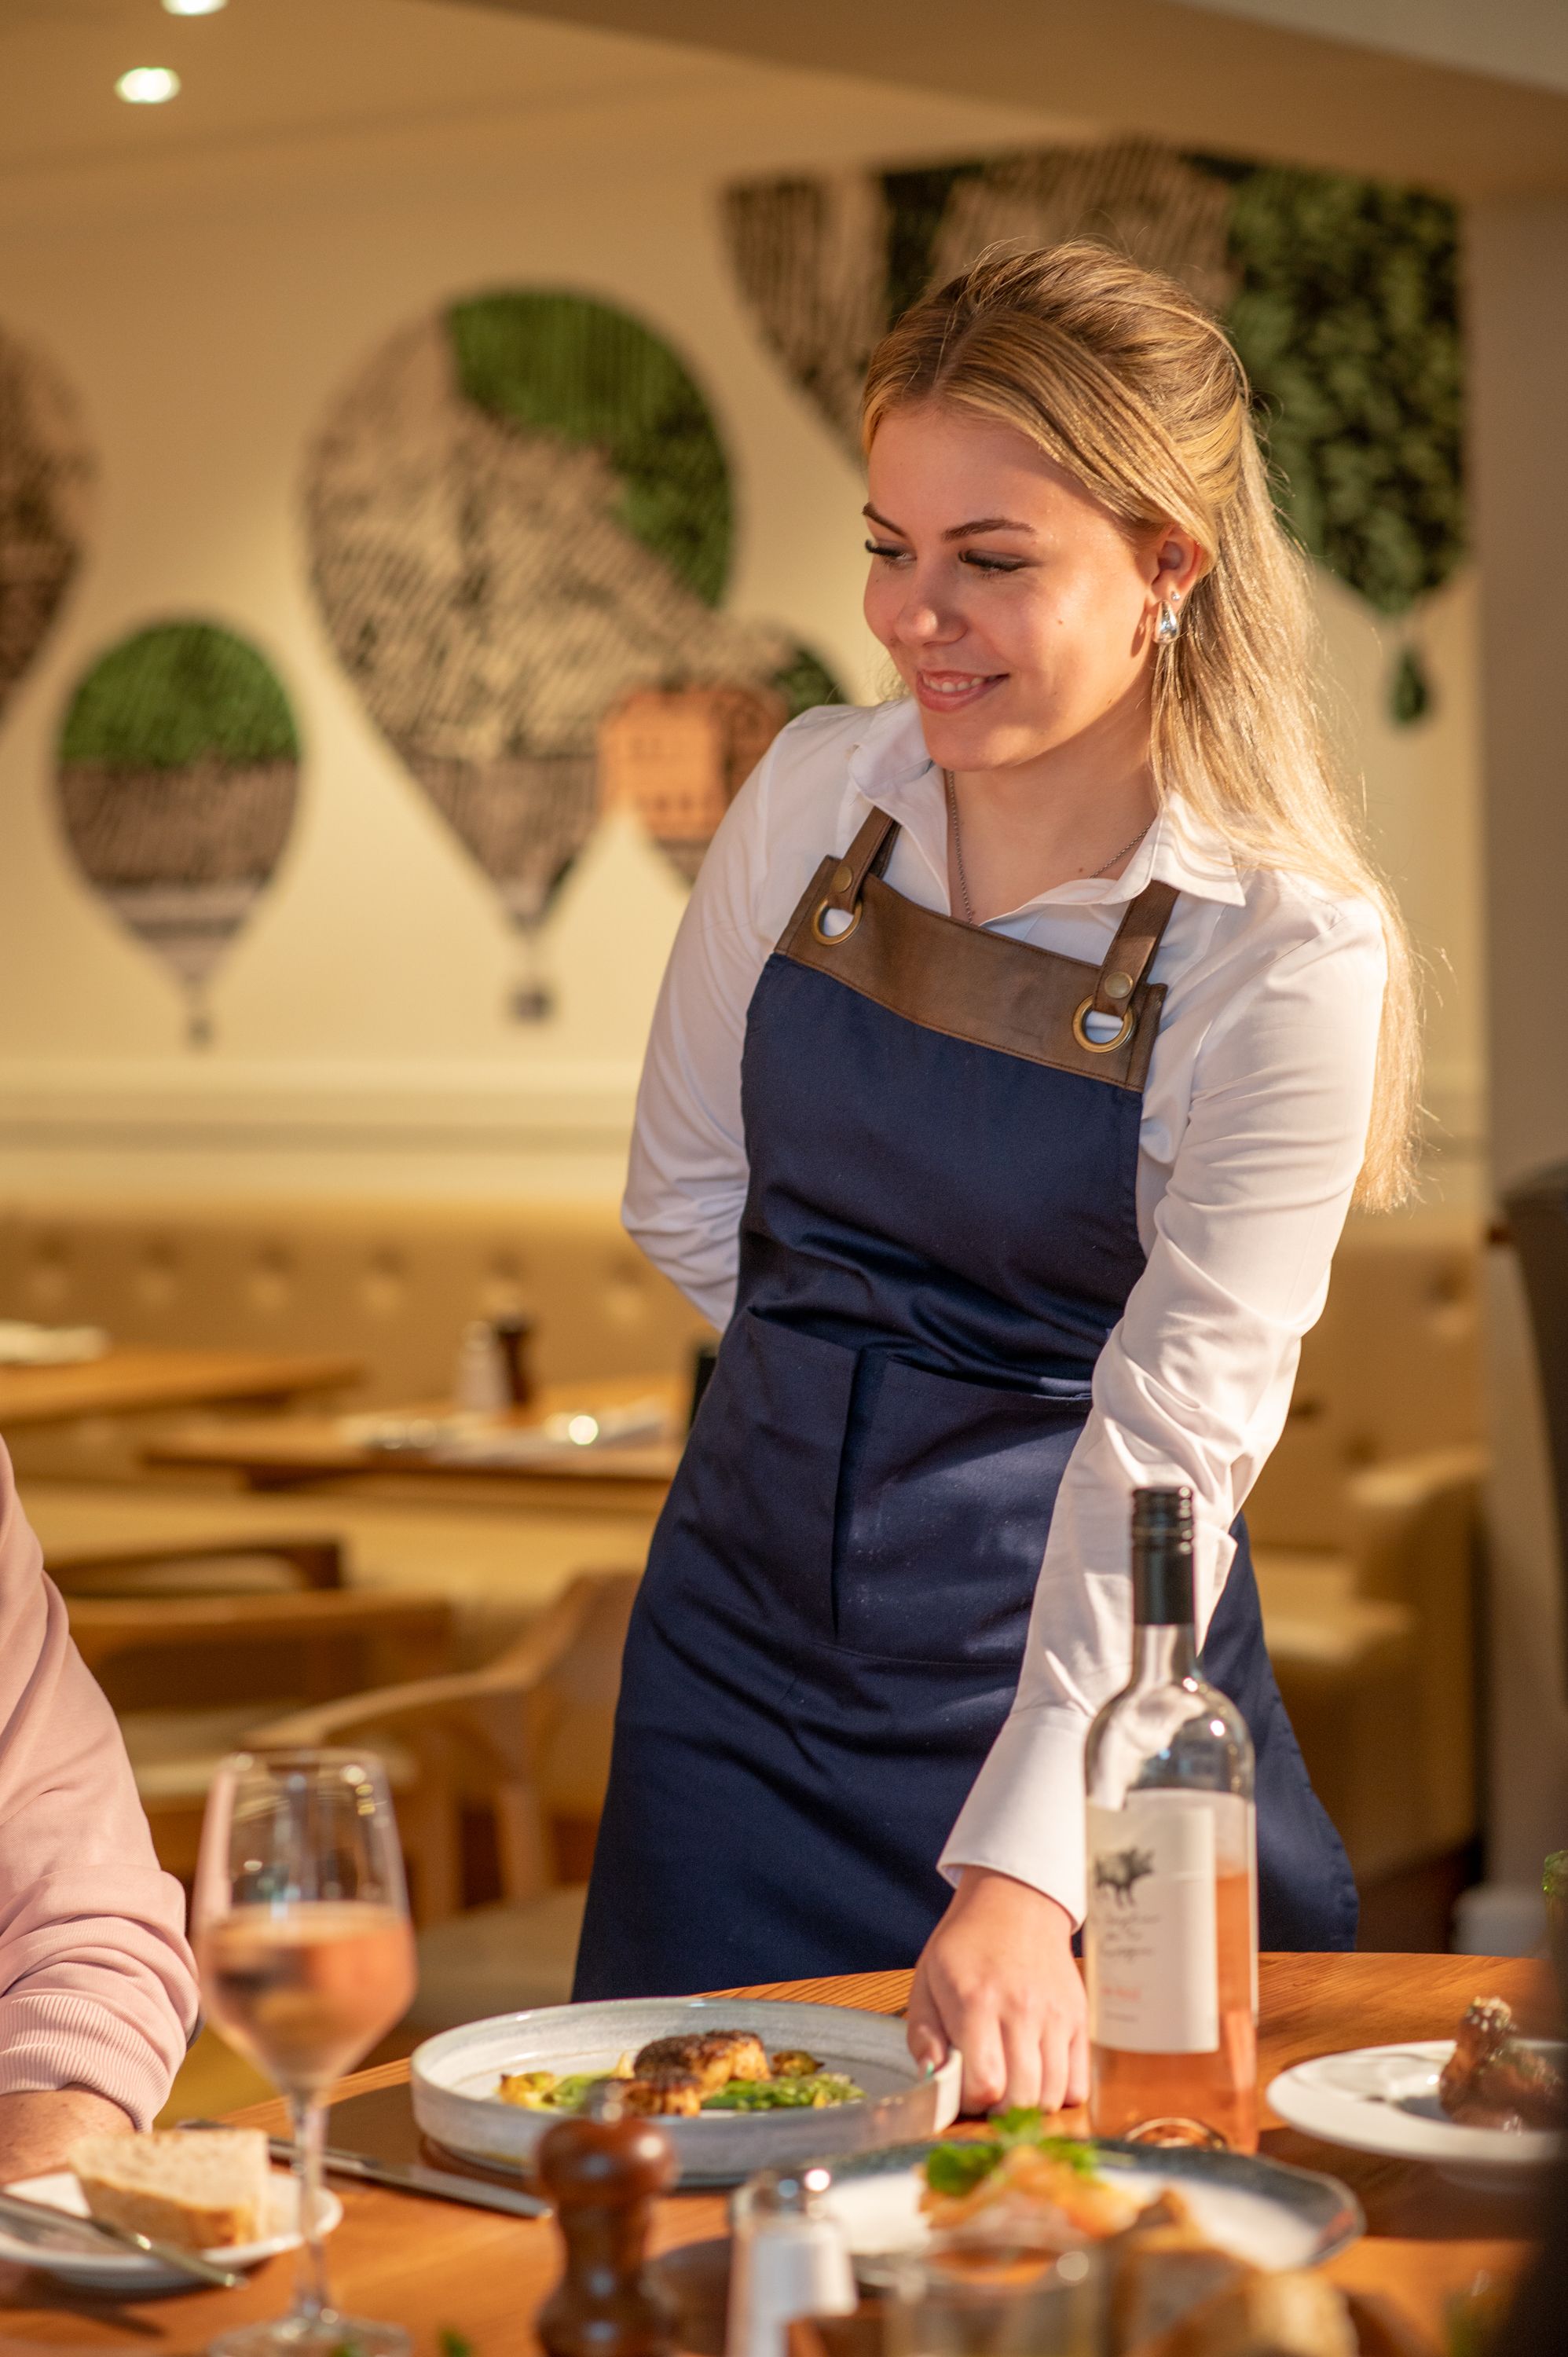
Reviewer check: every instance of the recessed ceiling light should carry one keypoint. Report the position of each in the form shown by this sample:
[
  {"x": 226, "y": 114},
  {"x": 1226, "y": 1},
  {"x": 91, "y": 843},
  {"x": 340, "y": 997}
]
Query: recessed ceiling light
[
  {"x": 148, "y": 86},
  {"x": 194, "y": 7}
]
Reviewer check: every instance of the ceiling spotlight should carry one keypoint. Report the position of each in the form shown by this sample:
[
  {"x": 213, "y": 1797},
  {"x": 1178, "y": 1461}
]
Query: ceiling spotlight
[
  {"x": 194, "y": 7},
  {"x": 148, "y": 86}
]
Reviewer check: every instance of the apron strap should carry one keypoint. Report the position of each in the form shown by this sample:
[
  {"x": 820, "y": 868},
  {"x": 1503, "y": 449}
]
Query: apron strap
[
  {"x": 868, "y": 854},
  {"x": 1128, "y": 958}
]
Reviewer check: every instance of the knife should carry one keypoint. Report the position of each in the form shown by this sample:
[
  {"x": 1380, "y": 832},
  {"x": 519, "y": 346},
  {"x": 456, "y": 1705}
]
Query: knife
[
  {"x": 410, "y": 2176},
  {"x": 37, "y": 2215}
]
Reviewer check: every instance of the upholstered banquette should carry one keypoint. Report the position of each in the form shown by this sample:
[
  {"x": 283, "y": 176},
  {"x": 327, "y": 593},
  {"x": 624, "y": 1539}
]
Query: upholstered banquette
[{"x": 1364, "y": 1521}]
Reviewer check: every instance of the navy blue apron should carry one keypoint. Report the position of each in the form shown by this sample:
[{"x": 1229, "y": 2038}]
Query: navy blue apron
[{"x": 939, "y": 1234}]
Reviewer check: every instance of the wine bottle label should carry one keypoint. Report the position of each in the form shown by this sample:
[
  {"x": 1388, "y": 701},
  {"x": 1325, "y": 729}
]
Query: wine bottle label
[{"x": 1150, "y": 1941}]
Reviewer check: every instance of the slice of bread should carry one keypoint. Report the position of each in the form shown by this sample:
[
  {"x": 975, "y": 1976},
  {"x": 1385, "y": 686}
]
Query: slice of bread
[{"x": 201, "y": 2189}]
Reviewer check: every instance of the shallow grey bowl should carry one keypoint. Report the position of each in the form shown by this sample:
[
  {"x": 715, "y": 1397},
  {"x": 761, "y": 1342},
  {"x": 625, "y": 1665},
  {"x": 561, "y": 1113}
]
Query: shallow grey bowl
[
  {"x": 1267, "y": 2212},
  {"x": 454, "y": 2077}
]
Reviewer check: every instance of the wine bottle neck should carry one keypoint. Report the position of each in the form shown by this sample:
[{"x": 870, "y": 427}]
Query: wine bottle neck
[{"x": 1164, "y": 1652}]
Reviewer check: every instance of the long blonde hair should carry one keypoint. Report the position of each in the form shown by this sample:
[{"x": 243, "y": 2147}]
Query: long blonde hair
[{"x": 1125, "y": 381}]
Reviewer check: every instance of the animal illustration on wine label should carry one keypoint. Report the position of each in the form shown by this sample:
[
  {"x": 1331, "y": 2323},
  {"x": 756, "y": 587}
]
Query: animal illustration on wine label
[{"x": 1121, "y": 1870}]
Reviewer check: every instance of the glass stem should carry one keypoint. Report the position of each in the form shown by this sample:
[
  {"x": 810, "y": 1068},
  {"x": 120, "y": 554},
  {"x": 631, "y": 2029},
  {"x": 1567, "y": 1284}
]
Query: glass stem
[{"x": 309, "y": 2117}]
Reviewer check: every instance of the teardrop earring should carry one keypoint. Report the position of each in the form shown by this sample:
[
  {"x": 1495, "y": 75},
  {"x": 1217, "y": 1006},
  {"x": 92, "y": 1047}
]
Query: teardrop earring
[{"x": 1168, "y": 627}]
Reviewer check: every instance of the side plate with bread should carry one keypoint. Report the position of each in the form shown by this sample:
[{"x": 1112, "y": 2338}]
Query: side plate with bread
[{"x": 217, "y": 2194}]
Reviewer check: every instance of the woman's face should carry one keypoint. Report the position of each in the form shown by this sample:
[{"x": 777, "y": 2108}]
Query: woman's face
[{"x": 1019, "y": 612}]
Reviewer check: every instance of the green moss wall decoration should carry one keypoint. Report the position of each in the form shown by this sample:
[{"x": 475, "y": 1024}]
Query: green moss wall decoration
[
  {"x": 520, "y": 511},
  {"x": 557, "y": 364},
  {"x": 1342, "y": 296},
  {"x": 178, "y": 773}
]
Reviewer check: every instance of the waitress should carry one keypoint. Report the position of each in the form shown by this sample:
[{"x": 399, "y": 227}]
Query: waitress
[{"x": 1019, "y": 1056}]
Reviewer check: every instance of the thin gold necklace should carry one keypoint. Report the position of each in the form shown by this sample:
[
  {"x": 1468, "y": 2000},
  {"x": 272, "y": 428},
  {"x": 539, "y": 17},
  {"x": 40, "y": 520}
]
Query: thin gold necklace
[{"x": 965, "y": 903}]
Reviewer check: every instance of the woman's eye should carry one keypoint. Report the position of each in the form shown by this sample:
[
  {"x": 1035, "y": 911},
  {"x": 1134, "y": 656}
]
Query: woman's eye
[
  {"x": 881, "y": 548},
  {"x": 978, "y": 563}
]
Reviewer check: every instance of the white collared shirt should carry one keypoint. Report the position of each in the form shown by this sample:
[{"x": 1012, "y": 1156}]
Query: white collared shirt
[{"x": 1255, "y": 1118}]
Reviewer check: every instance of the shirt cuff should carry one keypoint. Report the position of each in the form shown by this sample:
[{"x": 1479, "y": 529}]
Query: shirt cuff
[
  {"x": 1024, "y": 1813},
  {"x": 49, "y": 2041}
]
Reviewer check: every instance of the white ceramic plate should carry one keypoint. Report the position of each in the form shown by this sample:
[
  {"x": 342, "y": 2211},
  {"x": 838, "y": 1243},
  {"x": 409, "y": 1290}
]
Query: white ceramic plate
[
  {"x": 455, "y": 2078},
  {"x": 1261, "y": 2211},
  {"x": 1383, "y": 2099},
  {"x": 127, "y": 2271}
]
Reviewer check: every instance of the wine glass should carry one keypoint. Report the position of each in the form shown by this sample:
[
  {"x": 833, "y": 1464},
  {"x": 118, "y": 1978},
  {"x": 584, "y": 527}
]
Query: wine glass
[{"x": 300, "y": 1922}]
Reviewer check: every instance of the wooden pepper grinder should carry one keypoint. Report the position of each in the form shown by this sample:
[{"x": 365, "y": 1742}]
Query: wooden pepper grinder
[{"x": 603, "y": 2171}]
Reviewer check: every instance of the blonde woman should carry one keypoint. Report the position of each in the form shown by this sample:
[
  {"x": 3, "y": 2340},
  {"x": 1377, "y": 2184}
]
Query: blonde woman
[{"x": 1022, "y": 1050}]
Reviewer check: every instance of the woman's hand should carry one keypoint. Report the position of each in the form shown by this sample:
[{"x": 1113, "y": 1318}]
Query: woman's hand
[{"x": 998, "y": 1980}]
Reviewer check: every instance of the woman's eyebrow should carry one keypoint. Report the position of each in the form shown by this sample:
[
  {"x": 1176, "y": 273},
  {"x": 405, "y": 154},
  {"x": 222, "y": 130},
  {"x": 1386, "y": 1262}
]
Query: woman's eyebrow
[
  {"x": 957, "y": 531},
  {"x": 988, "y": 523}
]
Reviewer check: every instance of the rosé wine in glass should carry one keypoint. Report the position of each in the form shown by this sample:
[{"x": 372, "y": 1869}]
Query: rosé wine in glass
[{"x": 300, "y": 1924}]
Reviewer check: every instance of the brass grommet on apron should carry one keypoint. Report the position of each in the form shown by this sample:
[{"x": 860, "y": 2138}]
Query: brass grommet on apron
[
  {"x": 1102, "y": 1047},
  {"x": 833, "y": 940}
]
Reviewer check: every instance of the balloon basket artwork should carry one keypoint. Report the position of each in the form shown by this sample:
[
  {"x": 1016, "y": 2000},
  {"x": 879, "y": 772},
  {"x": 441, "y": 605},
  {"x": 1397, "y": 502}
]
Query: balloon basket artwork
[{"x": 678, "y": 757}]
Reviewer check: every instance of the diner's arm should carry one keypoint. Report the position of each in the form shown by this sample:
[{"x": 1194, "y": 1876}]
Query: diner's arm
[
  {"x": 37, "y": 2131},
  {"x": 97, "y": 1986},
  {"x": 1192, "y": 1385}
]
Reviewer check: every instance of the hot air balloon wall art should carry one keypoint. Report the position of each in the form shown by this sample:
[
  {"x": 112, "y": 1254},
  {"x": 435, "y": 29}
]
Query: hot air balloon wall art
[
  {"x": 519, "y": 514},
  {"x": 47, "y": 480},
  {"x": 178, "y": 776}
]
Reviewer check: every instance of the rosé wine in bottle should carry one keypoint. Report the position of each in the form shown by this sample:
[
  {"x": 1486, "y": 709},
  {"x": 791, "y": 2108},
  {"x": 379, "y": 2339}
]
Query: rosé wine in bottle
[{"x": 1171, "y": 1937}]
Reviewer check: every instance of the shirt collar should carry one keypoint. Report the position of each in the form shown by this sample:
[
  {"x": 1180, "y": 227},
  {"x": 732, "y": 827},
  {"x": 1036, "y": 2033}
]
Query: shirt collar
[{"x": 890, "y": 766}]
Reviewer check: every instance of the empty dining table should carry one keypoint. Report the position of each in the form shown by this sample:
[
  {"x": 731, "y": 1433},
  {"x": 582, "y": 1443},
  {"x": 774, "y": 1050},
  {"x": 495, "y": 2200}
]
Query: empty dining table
[{"x": 128, "y": 1381}]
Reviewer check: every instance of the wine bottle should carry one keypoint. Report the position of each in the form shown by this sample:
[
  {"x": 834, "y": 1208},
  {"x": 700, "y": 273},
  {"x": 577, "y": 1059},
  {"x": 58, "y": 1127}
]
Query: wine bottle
[{"x": 1171, "y": 1937}]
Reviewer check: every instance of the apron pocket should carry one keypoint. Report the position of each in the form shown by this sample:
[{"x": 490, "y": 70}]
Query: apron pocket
[
  {"x": 945, "y": 1496},
  {"x": 748, "y": 1531}
]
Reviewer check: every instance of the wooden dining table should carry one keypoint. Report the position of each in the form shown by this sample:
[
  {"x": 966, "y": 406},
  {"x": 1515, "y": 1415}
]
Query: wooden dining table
[
  {"x": 440, "y": 2268},
  {"x": 134, "y": 1382},
  {"x": 334, "y": 1454}
]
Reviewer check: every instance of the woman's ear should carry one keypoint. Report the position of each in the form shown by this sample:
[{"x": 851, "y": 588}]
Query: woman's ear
[{"x": 1175, "y": 564}]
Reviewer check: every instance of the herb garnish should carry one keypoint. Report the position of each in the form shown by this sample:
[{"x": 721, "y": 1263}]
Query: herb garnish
[{"x": 957, "y": 2168}]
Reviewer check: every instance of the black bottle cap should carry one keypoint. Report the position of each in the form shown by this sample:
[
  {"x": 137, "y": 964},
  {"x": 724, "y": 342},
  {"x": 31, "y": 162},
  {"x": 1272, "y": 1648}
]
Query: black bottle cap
[{"x": 1162, "y": 1558}]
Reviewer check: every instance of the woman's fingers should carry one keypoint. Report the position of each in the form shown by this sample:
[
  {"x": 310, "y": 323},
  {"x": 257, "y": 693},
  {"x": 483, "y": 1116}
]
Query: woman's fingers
[
  {"x": 977, "y": 2034},
  {"x": 1024, "y": 2036},
  {"x": 1055, "y": 2045},
  {"x": 924, "y": 2032},
  {"x": 1077, "y": 2065}
]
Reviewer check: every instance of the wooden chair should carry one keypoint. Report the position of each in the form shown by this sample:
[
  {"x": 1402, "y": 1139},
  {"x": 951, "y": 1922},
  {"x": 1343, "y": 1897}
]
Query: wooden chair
[
  {"x": 243, "y": 1656},
  {"x": 530, "y": 1735},
  {"x": 258, "y": 1566}
]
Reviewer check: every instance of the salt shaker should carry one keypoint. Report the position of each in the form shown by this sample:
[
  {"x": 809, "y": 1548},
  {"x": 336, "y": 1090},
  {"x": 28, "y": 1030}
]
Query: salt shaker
[
  {"x": 602, "y": 2172},
  {"x": 788, "y": 2259}
]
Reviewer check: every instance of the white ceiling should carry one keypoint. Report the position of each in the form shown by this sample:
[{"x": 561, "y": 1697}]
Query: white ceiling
[{"x": 265, "y": 67}]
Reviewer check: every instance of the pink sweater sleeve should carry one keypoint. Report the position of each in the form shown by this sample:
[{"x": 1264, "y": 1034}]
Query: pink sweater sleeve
[{"x": 97, "y": 1985}]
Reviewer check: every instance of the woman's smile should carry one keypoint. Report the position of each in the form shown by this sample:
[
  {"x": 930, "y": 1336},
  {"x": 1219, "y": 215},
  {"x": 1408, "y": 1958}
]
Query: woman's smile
[{"x": 952, "y": 691}]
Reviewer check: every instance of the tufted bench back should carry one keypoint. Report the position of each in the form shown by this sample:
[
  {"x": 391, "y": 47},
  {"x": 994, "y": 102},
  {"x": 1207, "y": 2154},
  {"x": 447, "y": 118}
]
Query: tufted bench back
[
  {"x": 1391, "y": 1370},
  {"x": 391, "y": 1285}
]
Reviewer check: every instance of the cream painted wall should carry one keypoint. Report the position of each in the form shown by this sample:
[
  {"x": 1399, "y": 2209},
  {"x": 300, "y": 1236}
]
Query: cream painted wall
[{"x": 207, "y": 307}]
